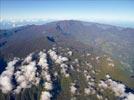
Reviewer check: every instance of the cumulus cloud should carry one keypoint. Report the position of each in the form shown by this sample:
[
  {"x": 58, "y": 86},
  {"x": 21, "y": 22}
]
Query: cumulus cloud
[
  {"x": 5, "y": 84},
  {"x": 107, "y": 76},
  {"x": 26, "y": 73},
  {"x": 73, "y": 89},
  {"x": 45, "y": 95},
  {"x": 64, "y": 66},
  {"x": 61, "y": 59},
  {"x": 64, "y": 69},
  {"x": 88, "y": 54},
  {"x": 43, "y": 60},
  {"x": 86, "y": 74},
  {"x": 64, "y": 59},
  {"x": 55, "y": 74},
  {"x": 70, "y": 53},
  {"x": 129, "y": 96},
  {"x": 53, "y": 54},
  {"x": 103, "y": 85},
  {"x": 87, "y": 91},
  {"x": 88, "y": 77},
  {"x": 111, "y": 64},
  {"x": 76, "y": 60},
  {"x": 71, "y": 67},
  {"x": 28, "y": 58},
  {"x": 17, "y": 90},
  {"x": 118, "y": 88},
  {"x": 97, "y": 58},
  {"x": 26, "y": 76},
  {"x": 48, "y": 86},
  {"x": 99, "y": 97},
  {"x": 46, "y": 75},
  {"x": 6, "y": 77},
  {"x": 57, "y": 58}
]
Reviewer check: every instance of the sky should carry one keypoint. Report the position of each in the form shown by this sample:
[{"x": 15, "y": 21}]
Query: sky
[{"x": 89, "y": 10}]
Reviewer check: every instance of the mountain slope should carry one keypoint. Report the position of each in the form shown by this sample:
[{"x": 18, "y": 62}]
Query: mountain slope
[
  {"x": 66, "y": 59},
  {"x": 115, "y": 41}
]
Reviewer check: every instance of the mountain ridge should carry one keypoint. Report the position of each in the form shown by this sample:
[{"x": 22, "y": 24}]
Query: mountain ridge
[
  {"x": 65, "y": 59},
  {"x": 116, "y": 41}
]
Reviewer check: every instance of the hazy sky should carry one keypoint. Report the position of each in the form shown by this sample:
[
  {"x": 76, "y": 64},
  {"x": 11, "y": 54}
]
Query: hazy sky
[{"x": 92, "y": 10}]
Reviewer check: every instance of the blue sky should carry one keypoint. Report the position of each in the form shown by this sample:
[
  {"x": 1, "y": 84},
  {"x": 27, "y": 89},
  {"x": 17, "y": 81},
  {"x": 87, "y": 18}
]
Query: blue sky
[{"x": 91, "y": 10}]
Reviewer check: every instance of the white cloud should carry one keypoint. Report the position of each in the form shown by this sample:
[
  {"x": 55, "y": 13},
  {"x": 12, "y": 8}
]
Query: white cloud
[
  {"x": 103, "y": 85},
  {"x": 111, "y": 64},
  {"x": 70, "y": 53},
  {"x": 130, "y": 96},
  {"x": 6, "y": 77},
  {"x": 18, "y": 89},
  {"x": 46, "y": 75},
  {"x": 107, "y": 76},
  {"x": 58, "y": 59},
  {"x": 118, "y": 88},
  {"x": 48, "y": 86},
  {"x": 43, "y": 60},
  {"x": 87, "y": 91},
  {"x": 5, "y": 84},
  {"x": 73, "y": 89},
  {"x": 26, "y": 76},
  {"x": 53, "y": 54},
  {"x": 64, "y": 69},
  {"x": 28, "y": 58},
  {"x": 99, "y": 97},
  {"x": 45, "y": 95}
]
